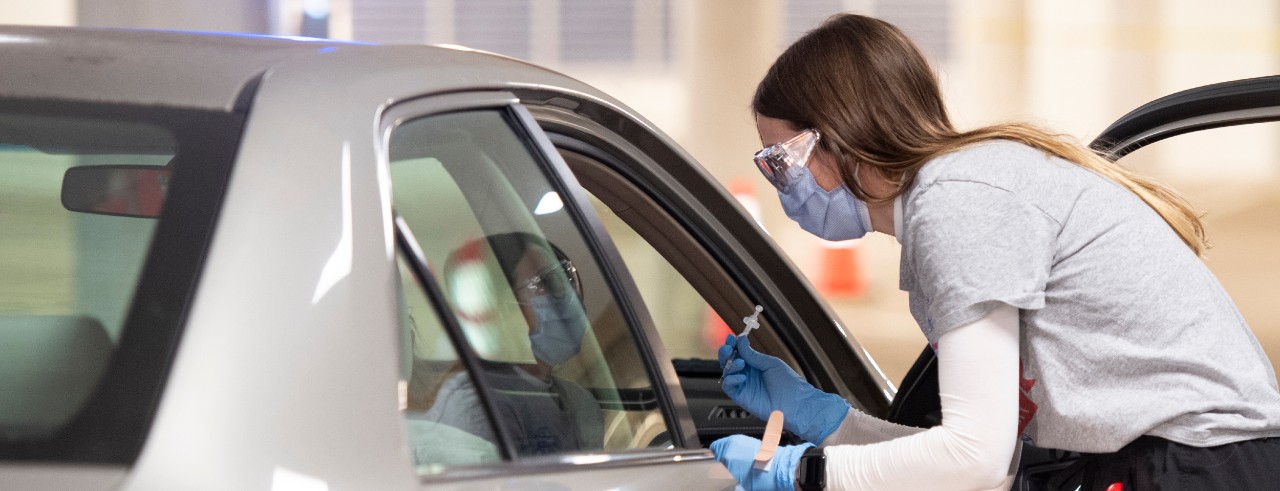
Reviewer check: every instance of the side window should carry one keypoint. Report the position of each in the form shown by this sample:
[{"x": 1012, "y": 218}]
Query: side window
[{"x": 563, "y": 370}]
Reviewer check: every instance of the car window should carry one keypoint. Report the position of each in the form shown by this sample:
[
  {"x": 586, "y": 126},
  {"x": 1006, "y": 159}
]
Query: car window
[
  {"x": 66, "y": 277},
  {"x": 563, "y": 369},
  {"x": 83, "y": 188}
]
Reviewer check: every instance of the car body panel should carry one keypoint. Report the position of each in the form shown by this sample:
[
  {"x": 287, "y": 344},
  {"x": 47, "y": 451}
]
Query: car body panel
[
  {"x": 335, "y": 274},
  {"x": 39, "y": 477},
  {"x": 202, "y": 70}
]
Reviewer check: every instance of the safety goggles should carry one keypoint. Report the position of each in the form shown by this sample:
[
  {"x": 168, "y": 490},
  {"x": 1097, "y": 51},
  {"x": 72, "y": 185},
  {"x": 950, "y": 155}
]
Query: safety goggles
[
  {"x": 556, "y": 280},
  {"x": 774, "y": 160}
]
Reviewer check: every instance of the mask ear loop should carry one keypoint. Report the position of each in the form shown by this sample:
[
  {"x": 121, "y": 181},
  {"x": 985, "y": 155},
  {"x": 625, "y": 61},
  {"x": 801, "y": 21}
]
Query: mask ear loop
[{"x": 857, "y": 169}]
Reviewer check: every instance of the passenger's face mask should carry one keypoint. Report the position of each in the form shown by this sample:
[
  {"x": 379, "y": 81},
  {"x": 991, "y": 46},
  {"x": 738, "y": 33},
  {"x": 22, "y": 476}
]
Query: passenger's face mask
[
  {"x": 833, "y": 215},
  {"x": 557, "y": 335}
]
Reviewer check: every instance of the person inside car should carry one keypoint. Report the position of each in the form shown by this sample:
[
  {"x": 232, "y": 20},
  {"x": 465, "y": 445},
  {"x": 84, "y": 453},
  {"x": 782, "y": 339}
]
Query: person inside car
[
  {"x": 1064, "y": 296},
  {"x": 547, "y": 413}
]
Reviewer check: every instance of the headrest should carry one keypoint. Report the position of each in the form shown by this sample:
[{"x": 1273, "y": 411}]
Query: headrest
[{"x": 49, "y": 365}]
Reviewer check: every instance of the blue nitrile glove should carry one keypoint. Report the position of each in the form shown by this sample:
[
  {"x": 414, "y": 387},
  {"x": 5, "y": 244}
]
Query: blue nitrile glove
[
  {"x": 761, "y": 383},
  {"x": 738, "y": 453}
]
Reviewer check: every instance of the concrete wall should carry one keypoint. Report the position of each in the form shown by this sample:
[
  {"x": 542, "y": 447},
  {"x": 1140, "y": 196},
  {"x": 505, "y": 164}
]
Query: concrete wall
[
  {"x": 38, "y": 12},
  {"x": 250, "y": 16}
]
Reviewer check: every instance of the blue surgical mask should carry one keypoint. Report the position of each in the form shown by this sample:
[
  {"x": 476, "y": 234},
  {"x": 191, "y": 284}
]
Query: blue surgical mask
[
  {"x": 832, "y": 215},
  {"x": 557, "y": 337}
]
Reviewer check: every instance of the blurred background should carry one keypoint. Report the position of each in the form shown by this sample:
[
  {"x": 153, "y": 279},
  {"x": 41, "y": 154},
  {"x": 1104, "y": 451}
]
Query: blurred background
[{"x": 690, "y": 66}]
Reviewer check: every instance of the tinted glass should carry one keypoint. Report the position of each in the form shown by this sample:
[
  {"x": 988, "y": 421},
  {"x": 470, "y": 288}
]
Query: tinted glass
[
  {"x": 82, "y": 192},
  {"x": 532, "y": 300}
]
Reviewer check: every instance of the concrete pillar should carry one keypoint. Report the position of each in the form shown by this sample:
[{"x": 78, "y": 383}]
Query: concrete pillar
[
  {"x": 1203, "y": 43},
  {"x": 46, "y": 12},
  {"x": 1069, "y": 67},
  {"x": 251, "y": 16},
  {"x": 985, "y": 80},
  {"x": 1135, "y": 65},
  {"x": 728, "y": 46}
]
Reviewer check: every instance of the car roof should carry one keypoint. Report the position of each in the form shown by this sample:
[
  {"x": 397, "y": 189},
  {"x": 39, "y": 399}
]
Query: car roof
[{"x": 208, "y": 70}]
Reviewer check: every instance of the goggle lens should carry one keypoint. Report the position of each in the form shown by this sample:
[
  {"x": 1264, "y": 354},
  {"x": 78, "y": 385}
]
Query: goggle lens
[
  {"x": 557, "y": 280},
  {"x": 774, "y": 160}
]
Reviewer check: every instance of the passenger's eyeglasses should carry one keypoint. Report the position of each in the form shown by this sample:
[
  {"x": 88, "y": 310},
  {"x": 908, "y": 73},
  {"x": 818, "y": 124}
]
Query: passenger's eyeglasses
[
  {"x": 774, "y": 160},
  {"x": 556, "y": 280}
]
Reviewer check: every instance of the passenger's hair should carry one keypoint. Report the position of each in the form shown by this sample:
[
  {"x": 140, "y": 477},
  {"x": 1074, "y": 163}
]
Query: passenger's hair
[{"x": 870, "y": 92}]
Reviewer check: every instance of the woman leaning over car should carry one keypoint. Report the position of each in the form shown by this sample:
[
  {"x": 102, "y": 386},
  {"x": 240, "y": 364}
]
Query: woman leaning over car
[{"x": 1064, "y": 296}]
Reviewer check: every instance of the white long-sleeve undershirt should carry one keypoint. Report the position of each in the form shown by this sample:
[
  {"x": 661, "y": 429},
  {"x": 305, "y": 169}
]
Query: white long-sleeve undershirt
[{"x": 971, "y": 449}]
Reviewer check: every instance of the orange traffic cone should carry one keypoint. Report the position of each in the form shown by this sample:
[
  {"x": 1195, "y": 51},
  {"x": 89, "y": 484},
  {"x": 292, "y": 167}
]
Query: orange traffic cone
[{"x": 842, "y": 273}]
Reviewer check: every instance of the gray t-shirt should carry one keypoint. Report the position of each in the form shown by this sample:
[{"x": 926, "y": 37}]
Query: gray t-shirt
[{"x": 1124, "y": 330}]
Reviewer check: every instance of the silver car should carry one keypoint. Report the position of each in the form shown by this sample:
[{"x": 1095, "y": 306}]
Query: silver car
[{"x": 240, "y": 262}]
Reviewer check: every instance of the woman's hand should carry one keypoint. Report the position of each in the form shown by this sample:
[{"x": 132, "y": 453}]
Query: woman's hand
[
  {"x": 738, "y": 453},
  {"x": 761, "y": 383}
]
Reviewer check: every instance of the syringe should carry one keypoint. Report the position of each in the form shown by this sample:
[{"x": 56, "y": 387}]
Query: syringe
[{"x": 750, "y": 323}]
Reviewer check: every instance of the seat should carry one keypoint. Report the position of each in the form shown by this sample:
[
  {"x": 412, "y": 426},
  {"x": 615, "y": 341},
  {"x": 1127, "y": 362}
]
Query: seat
[{"x": 49, "y": 365}]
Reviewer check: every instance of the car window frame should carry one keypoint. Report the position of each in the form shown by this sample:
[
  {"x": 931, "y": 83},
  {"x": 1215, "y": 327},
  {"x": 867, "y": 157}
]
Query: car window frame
[{"x": 685, "y": 447}]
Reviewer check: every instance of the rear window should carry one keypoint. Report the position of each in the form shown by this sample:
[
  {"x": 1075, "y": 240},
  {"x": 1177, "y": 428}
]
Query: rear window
[{"x": 106, "y": 212}]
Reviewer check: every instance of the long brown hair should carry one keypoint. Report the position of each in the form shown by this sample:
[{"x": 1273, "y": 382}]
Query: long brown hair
[{"x": 870, "y": 92}]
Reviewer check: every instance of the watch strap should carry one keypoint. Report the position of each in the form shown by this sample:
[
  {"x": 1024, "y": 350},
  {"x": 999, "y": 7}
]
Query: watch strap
[{"x": 811, "y": 472}]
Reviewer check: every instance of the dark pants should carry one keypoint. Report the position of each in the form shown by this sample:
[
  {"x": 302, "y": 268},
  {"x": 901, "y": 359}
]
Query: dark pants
[{"x": 1155, "y": 463}]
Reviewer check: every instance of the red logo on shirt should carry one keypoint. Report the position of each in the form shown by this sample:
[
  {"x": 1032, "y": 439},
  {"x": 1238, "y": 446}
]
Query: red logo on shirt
[{"x": 1026, "y": 407}]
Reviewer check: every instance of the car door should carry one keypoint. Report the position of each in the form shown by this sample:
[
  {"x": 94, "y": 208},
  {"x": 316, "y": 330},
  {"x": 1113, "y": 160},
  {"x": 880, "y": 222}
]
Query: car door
[
  {"x": 525, "y": 362},
  {"x": 1214, "y": 108},
  {"x": 700, "y": 263}
]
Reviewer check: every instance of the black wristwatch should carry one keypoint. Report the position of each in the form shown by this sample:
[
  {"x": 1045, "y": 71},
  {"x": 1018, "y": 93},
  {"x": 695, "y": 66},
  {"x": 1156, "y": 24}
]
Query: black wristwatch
[{"x": 811, "y": 472}]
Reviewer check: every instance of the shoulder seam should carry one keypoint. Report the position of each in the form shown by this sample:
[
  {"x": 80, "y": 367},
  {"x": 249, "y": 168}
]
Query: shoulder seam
[{"x": 993, "y": 186}]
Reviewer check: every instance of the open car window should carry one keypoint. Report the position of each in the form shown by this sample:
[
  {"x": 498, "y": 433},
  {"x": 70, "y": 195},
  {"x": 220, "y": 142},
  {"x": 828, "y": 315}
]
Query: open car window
[{"x": 694, "y": 302}]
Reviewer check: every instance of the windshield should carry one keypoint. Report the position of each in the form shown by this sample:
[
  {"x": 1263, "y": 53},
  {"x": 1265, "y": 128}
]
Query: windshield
[{"x": 106, "y": 212}]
